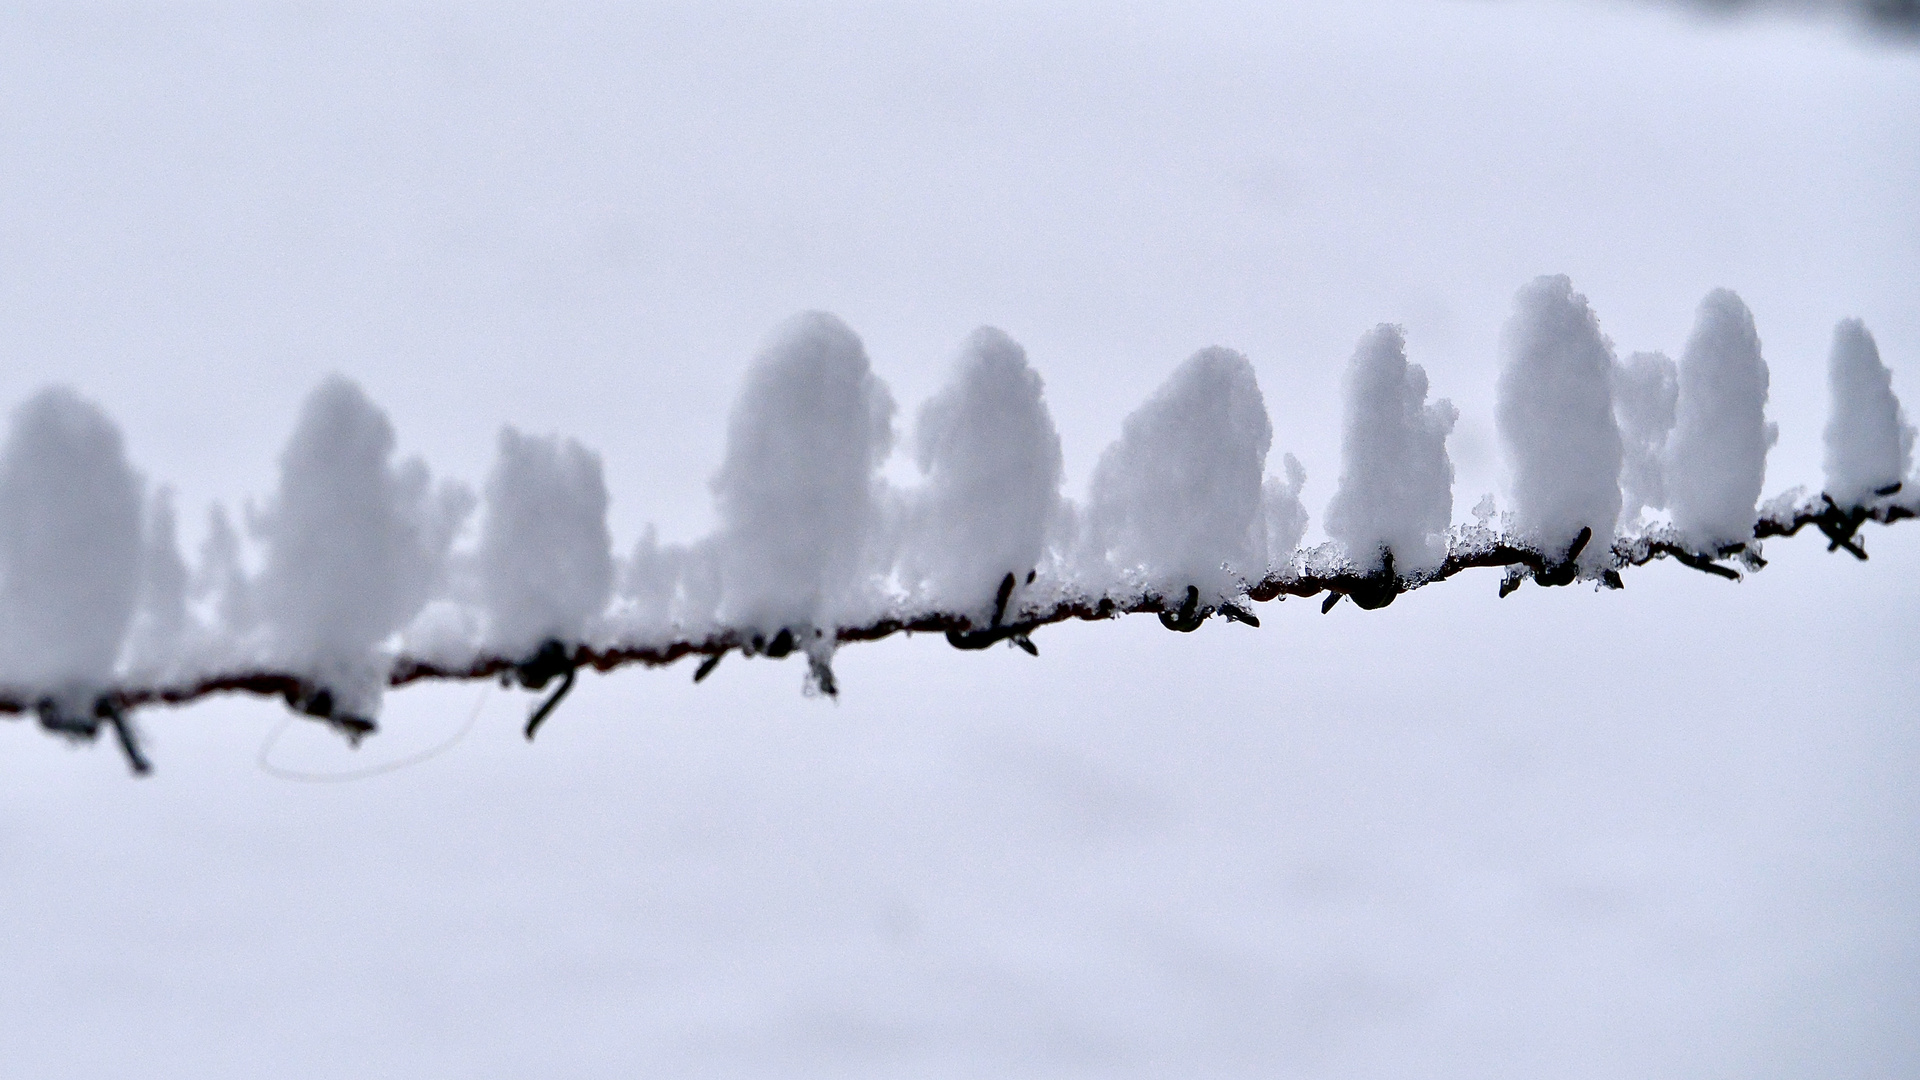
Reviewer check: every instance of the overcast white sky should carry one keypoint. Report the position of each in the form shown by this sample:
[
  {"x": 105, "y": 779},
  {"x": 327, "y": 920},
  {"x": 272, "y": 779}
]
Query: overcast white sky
[{"x": 1663, "y": 833}]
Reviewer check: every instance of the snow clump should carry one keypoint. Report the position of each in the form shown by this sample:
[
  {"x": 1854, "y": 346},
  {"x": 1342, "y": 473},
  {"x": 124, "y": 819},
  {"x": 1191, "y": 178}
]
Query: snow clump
[
  {"x": 1286, "y": 516},
  {"x": 797, "y": 492},
  {"x": 991, "y": 456},
  {"x": 1177, "y": 500},
  {"x": 355, "y": 545},
  {"x": 1396, "y": 481},
  {"x": 70, "y": 548},
  {"x": 1646, "y": 387},
  {"x": 1869, "y": 442},
  {"x": 1717, "y": 457},
  {"x": 163, "y": 630},
  {"x": 1555, "y": 416},
  {"x": 546, "y": 555}
]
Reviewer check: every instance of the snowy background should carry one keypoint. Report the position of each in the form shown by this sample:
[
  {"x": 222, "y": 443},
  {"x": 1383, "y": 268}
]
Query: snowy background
[{"x": 1664, "y": 832}]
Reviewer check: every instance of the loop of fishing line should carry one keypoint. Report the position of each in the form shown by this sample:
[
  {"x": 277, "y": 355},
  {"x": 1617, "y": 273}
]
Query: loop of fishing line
[{"x": 421, "y": 757}]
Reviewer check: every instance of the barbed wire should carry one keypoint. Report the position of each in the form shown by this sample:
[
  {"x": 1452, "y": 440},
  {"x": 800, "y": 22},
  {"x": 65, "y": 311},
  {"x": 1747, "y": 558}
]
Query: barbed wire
[{"x": 1470, "y": 547}]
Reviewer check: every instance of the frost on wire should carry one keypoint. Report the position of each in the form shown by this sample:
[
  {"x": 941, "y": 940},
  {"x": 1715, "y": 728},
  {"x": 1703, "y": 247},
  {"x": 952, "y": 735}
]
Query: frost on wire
[{"x": 361, "y": 571}]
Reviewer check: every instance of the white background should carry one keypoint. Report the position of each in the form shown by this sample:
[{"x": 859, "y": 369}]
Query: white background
[{"x": 1667, "y": 832}]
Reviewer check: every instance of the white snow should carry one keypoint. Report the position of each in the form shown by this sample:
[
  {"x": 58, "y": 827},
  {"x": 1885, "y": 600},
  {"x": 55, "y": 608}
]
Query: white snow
[
  {"x": 162, "y": 627},
  {"x": 992, "y": 462},
  {"x": 1555, "y": 417},
  {"x": 356, "y": 563},
  {"x": 1177, "y": 501},
  {"x": 1646, "y": 387},
  {"x": 1286, "y": 515},
  {"x": 70, "y": 547},
  {"x": 1396, "y": 482},
  {"x": 796, "y": 493},
  {"x": 546, "y": 555},
  {"x": 221, "y": 588},
  {"x": 648, "y": 588},
  {"x": 355, "y": 545},
  {"x": 1717, "y": 457},
  {"x": 1869, "y": 442}
]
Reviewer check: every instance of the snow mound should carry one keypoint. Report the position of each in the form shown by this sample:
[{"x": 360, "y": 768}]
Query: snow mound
[
  {"x": 1177, "y": 501},
  {"x": 991, "y": 457},
  {"x": 1555, "y": 415},
  {"x": 355, "y": 545},
  {"x": 797, "y": 493},
  {"x": 1396, "y": 481},
  {"x": 70, "y": 548},
  {"x": 1646, "y": 387},
  {"x": 1868, "y": 440},
  {"x": 1717, "y": 457},
  {"x": 546, "y": 555}
]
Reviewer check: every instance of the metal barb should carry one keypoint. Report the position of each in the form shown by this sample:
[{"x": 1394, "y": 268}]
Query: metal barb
[
  {"x": 996, "y": 629},
  {"x": 1698, "y": 562},
  {"x": 1839, "y": 526},
  {"x": 124, "y": 734},
  {"x": 317, "y": 702},
  {"x": 546, "y": 707},
  {"x": 706, "y": 666},
  {"x": 552, "y": 660},
  {"x": 1000, "y": 600},
  {"x": 781, "y": 645},
  {"x": 1190, "y": 615},
  {"x": 1567, "y": 569}
]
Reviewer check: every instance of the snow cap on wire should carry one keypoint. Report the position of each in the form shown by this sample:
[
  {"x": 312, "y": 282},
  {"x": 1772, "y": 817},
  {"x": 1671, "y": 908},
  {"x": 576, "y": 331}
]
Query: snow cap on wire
[
  {"x": 1396, "y": 481},
  {"x": 1555, "y": 416},
  {"x": 991, "y": 457},
  {"x": 70, "y": 548},
  {"x": 546, "y": 554},
  {"x": 796, "y": 492},
  {"x": 1869, "y": 442},
  {"x": 355, "y": 545},
  {"x": 1717, "y": 456},
  {"x": 1176, "y": 502},
  {"x": 1646, "y": 387},
  {"x": 1286, "y": 516}
]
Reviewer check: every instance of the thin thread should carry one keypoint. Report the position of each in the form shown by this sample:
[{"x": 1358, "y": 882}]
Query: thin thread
[{"x": 421, "y": 757}]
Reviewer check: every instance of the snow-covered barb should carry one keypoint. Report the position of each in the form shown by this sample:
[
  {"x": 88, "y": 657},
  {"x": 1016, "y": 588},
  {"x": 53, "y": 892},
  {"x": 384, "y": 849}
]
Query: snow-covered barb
[
  {"x": 70, "y": 565},
  {"x": 991, "y": 457},
  {"x": 1556, "y": 417},
  {"x": 1176, "y": 503},
  {"x": 1395, "y": 499},
  {"x": 1717, "y": 458},
  {"x": 356, "y": 578},
  {"x": 355, "y": 546},
  {"x": 1869, "y": 442},
  {"x": 797, "y": 490}
]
